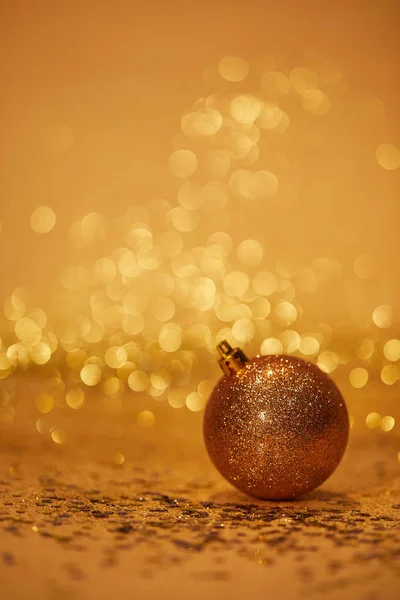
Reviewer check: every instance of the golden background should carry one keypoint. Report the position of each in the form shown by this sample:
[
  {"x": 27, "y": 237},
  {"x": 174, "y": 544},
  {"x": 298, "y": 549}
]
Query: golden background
[{"x": 176, "y": 174}]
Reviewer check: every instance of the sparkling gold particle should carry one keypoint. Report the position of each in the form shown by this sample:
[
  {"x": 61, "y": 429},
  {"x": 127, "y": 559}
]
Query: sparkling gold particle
[
  {"x": 327, "y": 361},
  {"x": 365, "y": 349},
  {"x": 236, "y": 283},
  {"x": 195, "y": 402},
  {"x": 275, "y": 84},
  {"x": 91, "y": 374},
  {"x": 391, "y": 350},
  {"x": 118, "y": 458},
  {"x": 138, "y": 381},
  {"x": 75, "y": 398},
  {"x": 271, "y": 346},
  {"x": 364, "y": 266},
  {"x": 40, "y": 353},
  {"x": 233, "y": 68},
  {"x": 43, "y": 219},
  {"x": 315, "y": 102},
  {"x": 390, "y": 374},
  {"x": 59, "y": 436},
  {"x": 285, "y": 313},
  {"x": 250, "y": 252},
  {"x": 358, "y": 377},
  {"x": 184, "y": 220},
  {"x": 243, "y": 330},
  {"x": 177, "y": 398},
  {"x": 265, "y": 283},
  {"x": 170, "y": 337},
  {"x": 202, "y": 123},
  {"x": 146, "y": 419},
  {"x": 44, "y": 403},
  {"x": 382, "y": 316},
  {"x": 27, "y": 330},
  {"x": 388, "y": 156},
  {"x": 115, "y": 357},
  {"x": 387, "y": 423},
  {"x": 182, "y": 163},
  {"x": 373, "y": 420},
  {"x": 309, "y": 345}
]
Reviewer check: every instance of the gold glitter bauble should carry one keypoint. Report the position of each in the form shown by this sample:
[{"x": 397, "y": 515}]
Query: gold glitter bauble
[{"x": 275, "y": 427}]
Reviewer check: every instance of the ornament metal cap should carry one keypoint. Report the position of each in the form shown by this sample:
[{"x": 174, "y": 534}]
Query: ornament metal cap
[{"x": 232, "y": 359}]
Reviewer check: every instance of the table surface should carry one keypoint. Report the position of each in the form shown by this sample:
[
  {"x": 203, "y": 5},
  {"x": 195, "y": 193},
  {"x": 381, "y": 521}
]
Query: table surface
[{"x": 76, "y": 528}]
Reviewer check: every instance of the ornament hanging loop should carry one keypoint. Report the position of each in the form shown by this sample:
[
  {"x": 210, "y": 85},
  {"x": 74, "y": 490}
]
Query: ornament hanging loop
[{"x": 232, "y": 359}]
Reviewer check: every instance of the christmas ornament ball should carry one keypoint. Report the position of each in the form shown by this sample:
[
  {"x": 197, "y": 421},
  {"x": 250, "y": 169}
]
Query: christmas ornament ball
[{"x": 275, "y": 427}]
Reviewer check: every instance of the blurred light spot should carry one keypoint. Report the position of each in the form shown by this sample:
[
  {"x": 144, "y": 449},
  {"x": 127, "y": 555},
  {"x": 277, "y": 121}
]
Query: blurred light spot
[
  {"x": 160, "y": 379},
  {"x": 275, "y": 84},
  {"x": 115, "y": 357},
  {"x": 260, "y": 308},
  {"x": 195, "y": 402},
  {"x": 132, "y": 324},
  {"x": 366, "y": 349},
  {"x": 233, "y": 68},
  {"x": 146, "y": 419},
  {"x": 373, "y": 420},
  {"x": 250, "y": 252},
  {"x": 271, "y": 346},
  {"x": 118, "y": 458},
  {"x": 44, "y": 403},
  {"x": 383, "y": 316},
  {"x": 91, "y": 374},
  {"x": 390, "y": 374},
  {"x": 309, "y": 345},
  {"x": 40, "y": 353},
  {"x": 59, "y": 436},
  {"x": 27, "y": 330},
  {"x": 236, "y": 283},
  {"x": 290, "y": 341},
  {"x": 303, "y": 79},
  {"x": 315, "y": 102},
  {"x": 170, "y": 337},
  {"x": 177, "y": 398},
  {"x": 243, "y": 330},
  {"x": 138, "y": 381},
  {"x": 43, "y": 219},
  {"x": 387, "y": 423},
  {"x": 364, "y": 266},
  {"x": 245, "y": 109},
  {"x": 270, "y": 116},
  {"x": 75, "y": 398},
  {"x": 327, "y": 361},
  {"x": 358, "y": 377},
  {"x": 182, "y": 163},
  {"x": 184, "y": 220},
  {"x": 203, "y": 123},
  {"x": 388, "y": 157},
  {"x": 265, "y": 283},
  {"x": 391, "y": 350},
  {"x": 285, "y": 313}
]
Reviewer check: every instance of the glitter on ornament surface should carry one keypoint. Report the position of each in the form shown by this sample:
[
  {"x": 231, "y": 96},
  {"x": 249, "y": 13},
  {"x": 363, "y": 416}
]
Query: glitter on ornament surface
[{"x": 277, "y": 428}]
